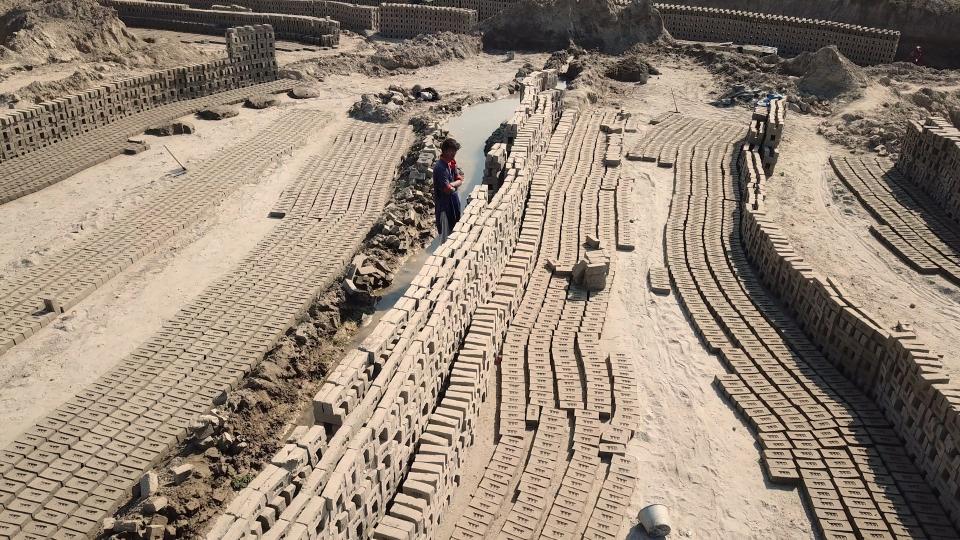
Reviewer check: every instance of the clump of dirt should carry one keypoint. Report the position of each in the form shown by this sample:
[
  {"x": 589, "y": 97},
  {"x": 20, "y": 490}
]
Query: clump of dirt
[
  {"x": 609, "y": 26},
  {"x": 881, "y": 129},
  {"x": 219, "y": 112},
  {"x": 41, "y": 31},
  {"x": 631, "y": 68},
  {"x": 826, "y": 73},
  {"x": 389, "y": 58},
  {"x": 81, "y": 79},
  {"x": 384, "y": 107}
]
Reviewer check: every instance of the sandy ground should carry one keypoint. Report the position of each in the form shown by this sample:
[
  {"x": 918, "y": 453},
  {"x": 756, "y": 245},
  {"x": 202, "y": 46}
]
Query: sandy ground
[
  {"x": 64, "y": 357},
  {"x": 829, "y": 228},
  {"x": 695, "y": 455}
]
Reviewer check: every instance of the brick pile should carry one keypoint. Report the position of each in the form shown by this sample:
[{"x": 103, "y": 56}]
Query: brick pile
[
  {"x": 79, "y": 463},
  {"x": 381, "y": 403},
  {"x": 566, "y": 409},
  {"x": 30, "y": 129},
  {"x": 351, "y": 16},
  {"x": 182, "y": 18},
  {"x": 790, "y": 35},
  {"x": 910, "y": 222},
  {"x": 803, "y": 377},
  {"x": 819, "y": 428},
  {"x": 906, "y": 381},
  {"x": 65, "y": 278},
  {"x": 410, "y": 20},
  {"x": 930, "y": 158}
]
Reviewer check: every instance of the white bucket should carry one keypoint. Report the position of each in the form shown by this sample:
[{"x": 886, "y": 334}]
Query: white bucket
[{"x": 655, "y": 520}]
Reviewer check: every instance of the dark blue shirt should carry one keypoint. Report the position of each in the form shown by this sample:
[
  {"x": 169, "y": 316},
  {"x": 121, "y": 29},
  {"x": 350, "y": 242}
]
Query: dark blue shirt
[{"x": 445, "y": 197}]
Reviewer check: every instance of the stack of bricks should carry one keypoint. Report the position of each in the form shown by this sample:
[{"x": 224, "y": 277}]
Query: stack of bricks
[
  {"x": 902, "y": 375},
  {"x": 790, "y": 35},
  {"x": 910, "y": 222},
  {"x": 485, "y": 9},
  {"x": 410, "y": 20},
  {"x": 930, "y": 158},
  {"x": 766, "y": 131},
  {"x": 808, "y": 400},
  {"x": 351, "y": 16},
  {"x": 381, "y": 406},
  {"x": 25, "y": 130},
  {"x": 183, "y": 18}
]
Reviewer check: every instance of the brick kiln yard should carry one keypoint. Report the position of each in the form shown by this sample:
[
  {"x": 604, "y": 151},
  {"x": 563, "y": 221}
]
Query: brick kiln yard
[{"x": 729, "y": 311}]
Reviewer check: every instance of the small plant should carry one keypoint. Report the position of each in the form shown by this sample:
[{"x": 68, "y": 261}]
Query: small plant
[{"x": 241, "y": 481}]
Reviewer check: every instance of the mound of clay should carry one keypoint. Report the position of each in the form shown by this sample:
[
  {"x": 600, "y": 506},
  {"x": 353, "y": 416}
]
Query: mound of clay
[
  {"x": 425, "y": 50},
  {"x": 41, "y": 31},
  {"x": 631, "y": 68},
  {"x": 219, "y": 113},
  {"x": 607, "y": 25},
  {"x": 377, "y": 108},
  {"x": 173, "y": 128},
  {"x": 261, "y": 102},
  {"x": 304, "y": 92},
  {"x": 825, "y": 73}
]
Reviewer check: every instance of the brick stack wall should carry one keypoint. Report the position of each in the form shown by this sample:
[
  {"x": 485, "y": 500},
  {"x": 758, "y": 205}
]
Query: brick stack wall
[
  {"x": 409, "y": 20},
  {"x": 250, "y": 61},
  {"x": 383, "y": 413},
  {"x": 485, "y": 8},
  {"x": 791, "y": 35},
  {"x": 903, "y": 376},
  {"x": 930, "y": 158},
  {"x": 183, "y": 18},
  {"x": 355, "y": 17}
]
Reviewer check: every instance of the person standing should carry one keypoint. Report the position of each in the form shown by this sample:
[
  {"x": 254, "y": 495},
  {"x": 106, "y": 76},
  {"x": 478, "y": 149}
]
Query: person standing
[{"x": 446, "y": 179}]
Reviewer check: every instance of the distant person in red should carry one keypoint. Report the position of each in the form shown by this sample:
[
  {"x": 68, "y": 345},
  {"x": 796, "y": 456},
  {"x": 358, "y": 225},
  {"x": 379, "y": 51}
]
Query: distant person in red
[
  {"x": 917, "y": 56},
  {"x": 446, "y": 179}
]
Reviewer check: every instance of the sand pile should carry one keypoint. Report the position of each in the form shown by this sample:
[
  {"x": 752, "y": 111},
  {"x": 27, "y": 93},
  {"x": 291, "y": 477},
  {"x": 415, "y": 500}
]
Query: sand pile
[
  {"x": 42, "y": 31},
  {"x": 606, "y": 25},
  {"x": 825, "y": 73}
]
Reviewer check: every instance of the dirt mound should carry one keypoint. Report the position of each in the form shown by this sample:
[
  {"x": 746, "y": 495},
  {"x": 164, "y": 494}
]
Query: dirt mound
[
  {"x": 631, "y": 68},
  {"x": 825, "y": 73},
  {"x": 378, "y": 107},
  {"x": 426, "y": 50},
  {"x": 41, "y": 31},
  {"x": 607, "y": 25}
]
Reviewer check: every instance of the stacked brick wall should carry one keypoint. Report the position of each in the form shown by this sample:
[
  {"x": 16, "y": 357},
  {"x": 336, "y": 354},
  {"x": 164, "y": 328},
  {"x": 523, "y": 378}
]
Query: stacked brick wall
[
  {"x": 902, "y": 376},
  {"x": 355, "y": 17},
  {"x": 250, "y": 61},
  {"x": 931, "y": 159},
  {"x": 791, "y": 35},
  {"x": 182, "y": 17},
  {"x": 385, "y": 403},
  {"x": 485, "y": 8},
  {"x": 409, "y": 20}
]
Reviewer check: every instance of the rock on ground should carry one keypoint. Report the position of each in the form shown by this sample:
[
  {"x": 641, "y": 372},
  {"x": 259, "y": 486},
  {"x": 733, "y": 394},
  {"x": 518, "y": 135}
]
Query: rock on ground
[
  {"x": 261, "y": 102},
  {"x": 825, "y": 73},
  {"x": 373, "y": 108},
  {"x": 219, "y": 113},
  {"x": 304, "y": 92},
  {"x": 606, "y": 25},
  {"x": 173, "y": 128}
]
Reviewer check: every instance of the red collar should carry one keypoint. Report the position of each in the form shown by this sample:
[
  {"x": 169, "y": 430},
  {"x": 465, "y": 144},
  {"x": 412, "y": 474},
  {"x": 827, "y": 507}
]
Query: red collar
[{"x": 451, "y": 163}]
